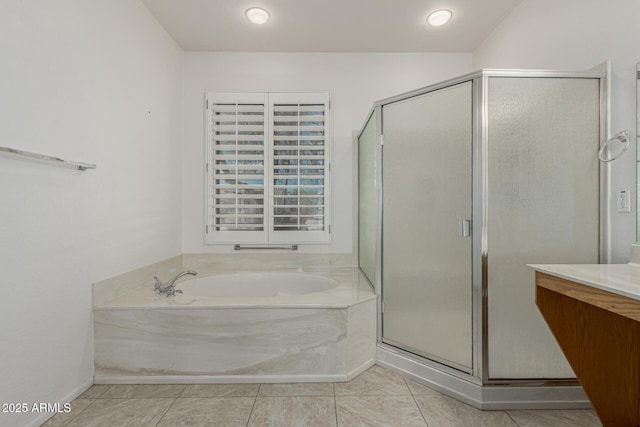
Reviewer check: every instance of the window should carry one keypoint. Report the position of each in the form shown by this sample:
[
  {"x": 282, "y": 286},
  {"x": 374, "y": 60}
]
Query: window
[{"x": 267, "y": 168}]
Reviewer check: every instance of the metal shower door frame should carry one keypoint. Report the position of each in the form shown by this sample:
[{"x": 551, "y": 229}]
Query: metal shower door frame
[{"x": 480, "y": 374}]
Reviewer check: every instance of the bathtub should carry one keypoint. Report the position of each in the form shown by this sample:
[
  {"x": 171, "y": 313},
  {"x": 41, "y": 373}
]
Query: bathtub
[
  {"x": 269, "y": 326},
  {"x": 257, "y": 285}
]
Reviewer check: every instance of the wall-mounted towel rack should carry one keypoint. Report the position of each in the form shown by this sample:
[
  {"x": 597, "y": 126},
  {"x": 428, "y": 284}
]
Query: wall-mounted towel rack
[
  {"x": 623, "y": 137},
  {"x": 44, "y": 158},
  {"x": 288, "y": 248}
]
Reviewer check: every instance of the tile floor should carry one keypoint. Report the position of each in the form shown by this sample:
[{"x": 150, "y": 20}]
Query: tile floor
[{"x": 378, "y": 397}]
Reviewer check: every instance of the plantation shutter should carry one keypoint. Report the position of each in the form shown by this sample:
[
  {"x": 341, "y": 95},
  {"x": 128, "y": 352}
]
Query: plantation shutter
[
  {"x": 300, "y": 167},
  {"x": 237, "y": 134}
]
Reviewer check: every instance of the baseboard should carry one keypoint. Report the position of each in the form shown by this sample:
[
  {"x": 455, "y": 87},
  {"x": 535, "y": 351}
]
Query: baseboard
[
  {"x": 486, "y": 397},
  {"x": 233, "y": 379},
  {"x": 360, "y": 369}
]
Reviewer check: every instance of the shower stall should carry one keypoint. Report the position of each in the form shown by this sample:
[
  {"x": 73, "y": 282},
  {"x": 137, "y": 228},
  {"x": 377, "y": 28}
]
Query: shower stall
[{"x": 461, "y": 185}]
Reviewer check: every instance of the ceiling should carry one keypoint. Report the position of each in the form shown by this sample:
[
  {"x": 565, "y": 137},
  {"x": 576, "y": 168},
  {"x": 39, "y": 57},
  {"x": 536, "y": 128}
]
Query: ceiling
[{"x": 329, "y": 25}]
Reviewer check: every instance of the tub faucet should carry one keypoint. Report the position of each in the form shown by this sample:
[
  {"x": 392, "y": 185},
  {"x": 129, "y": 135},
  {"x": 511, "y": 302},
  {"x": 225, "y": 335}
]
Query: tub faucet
[{"x": 169, "y": 288}]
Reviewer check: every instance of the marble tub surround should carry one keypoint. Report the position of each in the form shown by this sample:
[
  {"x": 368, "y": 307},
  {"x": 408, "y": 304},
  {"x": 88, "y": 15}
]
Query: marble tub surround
[
  {"x": 387, "y": 399},
  {"x": 211, "y": 345},
  {"x": 621, "y": 279},
  {"x": 329, "y": 335},
  {"x": 122, "y": 284}
]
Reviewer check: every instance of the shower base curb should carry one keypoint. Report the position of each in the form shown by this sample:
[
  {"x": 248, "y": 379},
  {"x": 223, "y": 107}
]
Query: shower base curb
[{"x": 487, "y": 397}]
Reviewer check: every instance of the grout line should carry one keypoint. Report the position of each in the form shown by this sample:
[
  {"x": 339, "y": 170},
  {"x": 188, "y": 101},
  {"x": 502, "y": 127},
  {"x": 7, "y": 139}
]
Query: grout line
[
  {"x": 255, "y": 399},
  {"x": 184, "y": 387},
  {"x": 167, "y": 410},
  {"x": 182, "y": 391},
  {"x": 512, "y": 419},
  {"x": 407, "y": 384},
  {"x": 293, "y": 395},
  {"x": 416, "y": 402},
  {"x": 99, "y": 396},
  {"x": 335, "y": 403},
  {"x": 76, "y": 415},
  {"x": 105, "y": 392}
]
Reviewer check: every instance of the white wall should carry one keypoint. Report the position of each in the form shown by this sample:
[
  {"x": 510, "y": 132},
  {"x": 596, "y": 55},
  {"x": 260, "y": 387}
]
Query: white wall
[
  {"x": 96, "y": 81},
  {"x": 577, "y": 35},
  {"x": 355, "y": 82}
]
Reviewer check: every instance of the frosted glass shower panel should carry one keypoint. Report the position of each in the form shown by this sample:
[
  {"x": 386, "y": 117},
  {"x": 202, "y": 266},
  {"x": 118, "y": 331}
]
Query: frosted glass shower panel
[
  {"x": 543, "y": 208},
  {"x": 367, "y": 198},
  {"x": 426, "y": 283}
]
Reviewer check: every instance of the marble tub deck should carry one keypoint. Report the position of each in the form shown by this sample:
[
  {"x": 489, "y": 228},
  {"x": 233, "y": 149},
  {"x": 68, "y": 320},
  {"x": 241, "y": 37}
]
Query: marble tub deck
[
  {"x": 378, "y": 397},
  {"x": 353, "y": 288}
]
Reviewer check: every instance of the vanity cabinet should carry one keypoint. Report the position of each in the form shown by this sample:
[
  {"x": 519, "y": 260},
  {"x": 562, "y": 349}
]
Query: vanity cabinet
[{"x": 599, "y": 332}]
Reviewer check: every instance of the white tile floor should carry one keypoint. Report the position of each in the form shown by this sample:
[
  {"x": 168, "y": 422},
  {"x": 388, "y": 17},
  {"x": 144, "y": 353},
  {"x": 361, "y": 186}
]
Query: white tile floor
[{"x": 378, "y": 397}]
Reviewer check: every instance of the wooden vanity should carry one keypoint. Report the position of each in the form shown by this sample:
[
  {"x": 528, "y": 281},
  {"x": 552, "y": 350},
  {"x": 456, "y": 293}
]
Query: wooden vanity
[{"x": 593, "y": 312}]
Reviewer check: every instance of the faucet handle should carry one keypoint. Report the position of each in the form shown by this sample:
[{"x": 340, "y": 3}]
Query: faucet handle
[{"x": 172, "y": 291}]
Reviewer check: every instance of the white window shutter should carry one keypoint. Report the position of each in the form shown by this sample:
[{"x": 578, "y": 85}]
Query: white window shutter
[
  {"x": 237, "y": 182},
  {"x": 300, "y": 162}
]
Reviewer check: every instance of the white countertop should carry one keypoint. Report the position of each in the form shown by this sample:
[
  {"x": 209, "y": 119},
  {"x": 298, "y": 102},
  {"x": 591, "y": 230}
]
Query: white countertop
[{"x": 621, "y": 279}]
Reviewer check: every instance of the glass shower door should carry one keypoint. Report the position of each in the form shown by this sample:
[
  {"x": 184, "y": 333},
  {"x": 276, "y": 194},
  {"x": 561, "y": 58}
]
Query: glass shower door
[
  {"x": 543, "y": 208},
  {"x": 427, "y": 247}
]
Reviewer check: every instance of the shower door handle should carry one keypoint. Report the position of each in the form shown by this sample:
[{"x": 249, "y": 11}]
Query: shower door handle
[{"x": 465, "y": 228}]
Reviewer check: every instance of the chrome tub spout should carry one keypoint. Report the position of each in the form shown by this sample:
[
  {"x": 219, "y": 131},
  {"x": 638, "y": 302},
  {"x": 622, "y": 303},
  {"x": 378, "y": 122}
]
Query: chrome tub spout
[{"x": 169, "y": 288}]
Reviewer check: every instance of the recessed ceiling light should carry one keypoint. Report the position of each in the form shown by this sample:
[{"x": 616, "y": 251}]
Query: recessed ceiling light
[
  {"x": 439, "y": 17},
  {"x": 257, "y": 15}
]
